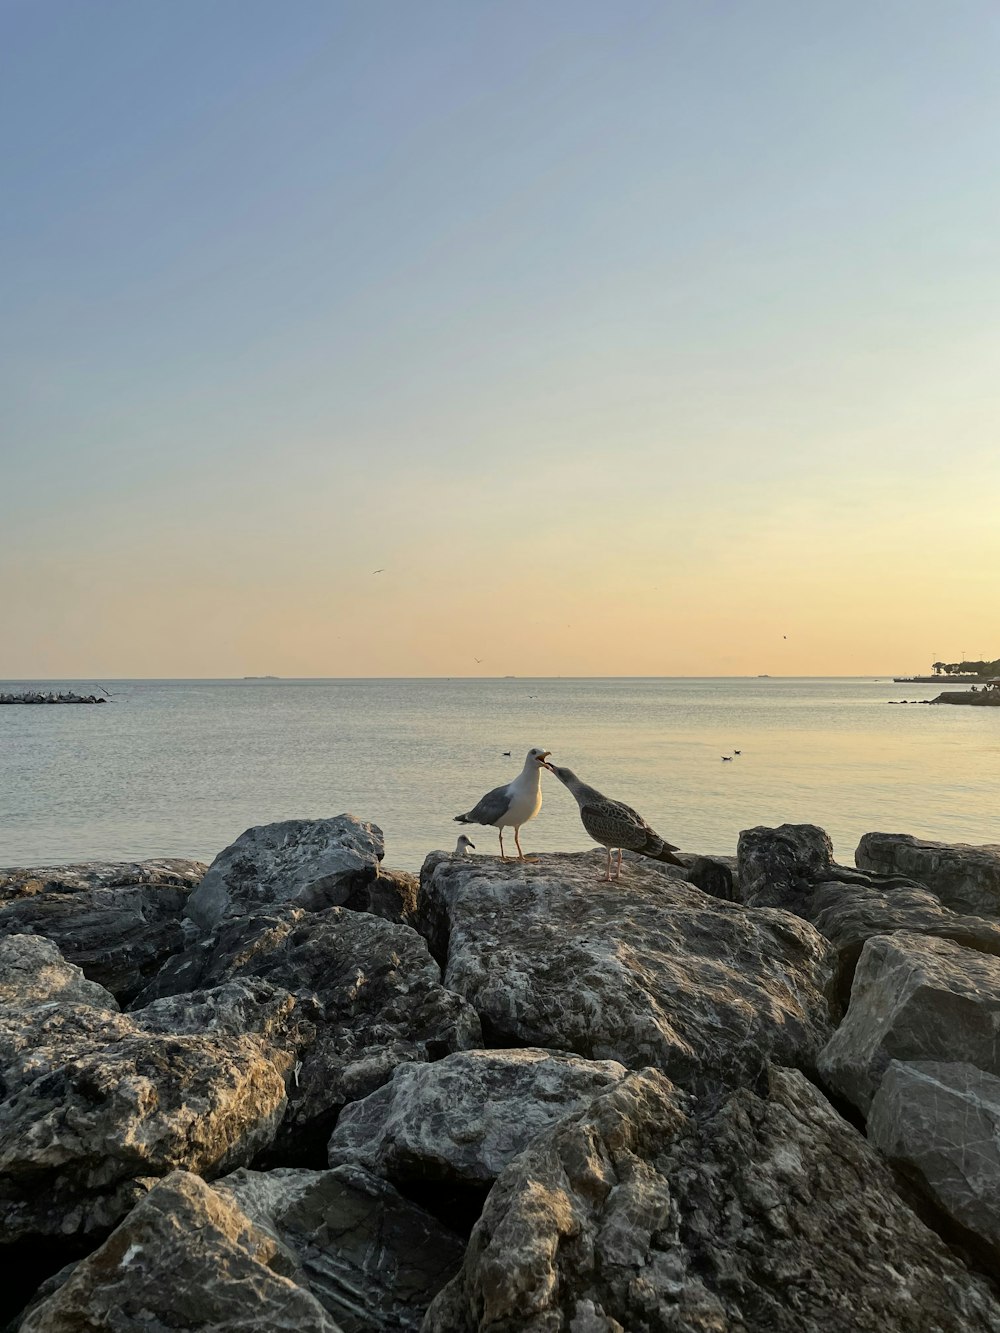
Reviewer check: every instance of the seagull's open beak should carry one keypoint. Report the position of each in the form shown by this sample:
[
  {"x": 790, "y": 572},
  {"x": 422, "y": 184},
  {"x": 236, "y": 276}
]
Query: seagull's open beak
[{"x": 542, "y": 758}]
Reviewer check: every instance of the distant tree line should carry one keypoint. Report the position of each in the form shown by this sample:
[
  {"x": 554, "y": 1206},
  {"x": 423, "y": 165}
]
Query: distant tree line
[{"x": 980, "y": 668}]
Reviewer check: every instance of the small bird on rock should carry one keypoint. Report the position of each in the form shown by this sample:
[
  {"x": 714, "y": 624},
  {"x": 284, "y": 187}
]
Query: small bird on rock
[
  {"x": 464, "y": 846},
  {"x": 512, "y": 805},
  {"x": 614, "y": 824}
]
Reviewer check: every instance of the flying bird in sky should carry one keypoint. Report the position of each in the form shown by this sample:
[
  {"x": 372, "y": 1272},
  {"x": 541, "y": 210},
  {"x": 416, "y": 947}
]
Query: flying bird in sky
[
  {"x": 614, "y": 824},
  {"x": 512, "y": 805}
]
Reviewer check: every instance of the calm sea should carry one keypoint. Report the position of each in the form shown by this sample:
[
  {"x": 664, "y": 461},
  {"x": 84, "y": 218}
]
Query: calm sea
[{"x": 180, "y": 768}]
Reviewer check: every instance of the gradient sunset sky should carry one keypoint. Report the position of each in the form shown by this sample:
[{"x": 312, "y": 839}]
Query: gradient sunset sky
[{"x": 628, "y": 338}]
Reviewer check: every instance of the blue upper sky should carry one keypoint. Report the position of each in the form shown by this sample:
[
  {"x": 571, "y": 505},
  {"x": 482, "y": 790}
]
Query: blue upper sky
[{"x": 291, "y": 290}]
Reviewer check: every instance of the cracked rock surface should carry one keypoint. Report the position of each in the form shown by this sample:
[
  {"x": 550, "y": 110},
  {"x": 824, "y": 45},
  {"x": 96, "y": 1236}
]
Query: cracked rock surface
[
  {"x": 649, "y": 972},
  {"x": 914, "y": 998},
  {"x": 766, "y": 1214},
  {"x": 465, "y": 1117},
  {"x": 311, "y": 863}
]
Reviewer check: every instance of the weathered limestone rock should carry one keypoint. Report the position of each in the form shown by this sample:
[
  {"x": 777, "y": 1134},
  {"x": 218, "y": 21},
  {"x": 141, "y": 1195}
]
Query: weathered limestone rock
[
  {"x": 914, "y": 998},
  {"x": 33, "y": 971},
  {"x": 964, "y": 877},
  {"x": 649, "y": 972},
  {"x": 95, "y": 1102},
  {"x": 186, "y": 1258},
  {"x": 850, "y": 914},
  {"x": 372, "y": 1259},
  {"x": 117, "y": 921},
  {"x": 775, "y": 865},
  {"x": 769, "y": 1214},
  {"x": 119, "y": 937},
  {"x": 467, "y": 1116},
  {"x": 941, "y": 1123},
  {"x": 792, "y": 867},
  {"x": 311, "y": 863},
  {"x": 167, "y": 872},
  {"x": 378, "y": 997}
]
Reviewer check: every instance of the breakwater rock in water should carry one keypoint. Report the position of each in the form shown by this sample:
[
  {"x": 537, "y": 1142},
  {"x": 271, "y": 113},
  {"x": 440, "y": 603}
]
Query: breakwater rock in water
[
  {"x": 34, "y": 697},
  {"x": 512, "y": 1097}
]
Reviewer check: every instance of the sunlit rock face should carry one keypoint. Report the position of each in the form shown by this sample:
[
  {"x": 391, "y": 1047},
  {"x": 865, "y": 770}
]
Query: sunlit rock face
[
  {"x": 649, "y": 971},
  {"x": 185, "y": 1258},
  {"x": 940, "y": 1122},
  {"x": 95, "y": 1102},
  {"x": 914, "y": 998},
  {"x": 964, "y": 877},
  {"x": 767, "y": 1213}
]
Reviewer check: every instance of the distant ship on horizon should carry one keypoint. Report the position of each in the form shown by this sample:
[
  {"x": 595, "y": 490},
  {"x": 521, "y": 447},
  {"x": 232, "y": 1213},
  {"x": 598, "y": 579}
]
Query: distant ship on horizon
[{"x": 261, "y": 677}]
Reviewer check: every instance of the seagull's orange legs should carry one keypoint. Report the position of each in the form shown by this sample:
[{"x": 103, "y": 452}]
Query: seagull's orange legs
[{"x": 503, "y": 854}]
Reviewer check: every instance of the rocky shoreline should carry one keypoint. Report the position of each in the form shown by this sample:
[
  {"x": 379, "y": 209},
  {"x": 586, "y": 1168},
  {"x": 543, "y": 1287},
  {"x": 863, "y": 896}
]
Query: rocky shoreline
[
  {"x": 978, "y": 698},
  {"x": 295, "y": 1090}
]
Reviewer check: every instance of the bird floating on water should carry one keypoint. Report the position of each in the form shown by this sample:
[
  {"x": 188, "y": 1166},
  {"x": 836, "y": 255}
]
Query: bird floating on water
[
  {"x": 512, "y": 805},
  {"x": 614, "y": 824},
  {"x": 727, "y": 758},
  {"x": 464, "y": 845}
]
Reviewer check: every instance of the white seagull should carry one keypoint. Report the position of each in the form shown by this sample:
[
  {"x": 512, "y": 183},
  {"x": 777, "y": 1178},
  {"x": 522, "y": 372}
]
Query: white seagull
[
  {"x": 463, "y": 846},
  {"x": 512, "y": 805}
]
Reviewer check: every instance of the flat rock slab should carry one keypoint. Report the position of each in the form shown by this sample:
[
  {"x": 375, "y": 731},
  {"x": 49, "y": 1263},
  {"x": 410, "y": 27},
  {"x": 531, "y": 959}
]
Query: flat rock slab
[
  {"x": 965, "y": 878},
  {"x": 941, "y": 1123},
  {"x": 372, "y": 1259},
  {"x": 769, "y": 1214},
  {"x": 311, "y": 863},
  {"x": 186, "y": 1259},
  {"x": 651, "y": 971},
  {"x": 378, "y": 1003},
  {"x": 95, "y": 1102},
  {"x": 914, "y": 998},
  {"x": 169, "y": 872},
  {"x": 464, "y": 1118}
]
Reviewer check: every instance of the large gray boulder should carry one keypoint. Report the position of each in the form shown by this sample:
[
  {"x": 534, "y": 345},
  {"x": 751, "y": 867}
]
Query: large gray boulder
[
  {"x": 651, "y": 971},
  {"x": 767, "y": 1214},
  {"x": 373, "y": 1259},
  {"x": 914, "y": 998},
  {"x": 941, "y": 1124},
  {"x": 186, "y": 1259},
  {"x": 966, "y": 878},
  {"x": 775, "y": 866},
  {"x": 467, "y": 1116},
  {"x": 377, "y": 998},
  {"x": 93, "y": 1102},
  {"x": 310, "y": 863}
]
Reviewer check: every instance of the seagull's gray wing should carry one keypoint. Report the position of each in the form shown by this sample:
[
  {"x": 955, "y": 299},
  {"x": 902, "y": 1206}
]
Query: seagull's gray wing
[{"x": 493, "y": 806}]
